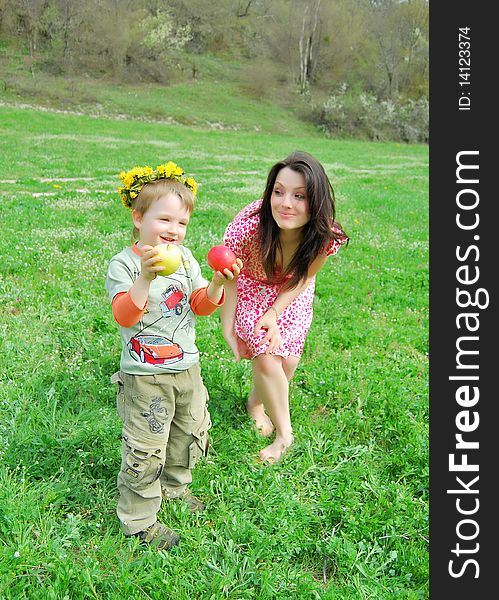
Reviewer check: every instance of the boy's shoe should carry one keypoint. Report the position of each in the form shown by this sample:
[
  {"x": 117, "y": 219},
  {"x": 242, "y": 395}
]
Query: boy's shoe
[
  {"x": 159, "y": 536},
  {"x": 194, "y": 504}
]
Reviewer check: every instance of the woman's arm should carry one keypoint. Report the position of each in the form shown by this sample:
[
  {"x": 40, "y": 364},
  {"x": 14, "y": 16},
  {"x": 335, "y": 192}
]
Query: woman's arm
[
  {"x": 268, "y": 320},
  {"x": 228, "y": 317},
  {"x": 228, "y": 309}
]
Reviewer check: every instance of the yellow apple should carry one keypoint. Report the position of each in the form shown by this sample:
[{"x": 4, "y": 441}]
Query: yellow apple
[{"x": 170, "y": 258}]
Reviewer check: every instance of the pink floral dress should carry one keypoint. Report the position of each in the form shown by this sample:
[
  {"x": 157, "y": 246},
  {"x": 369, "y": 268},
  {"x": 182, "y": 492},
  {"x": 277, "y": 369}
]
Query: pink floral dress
[{"x": 256, "y": 294}]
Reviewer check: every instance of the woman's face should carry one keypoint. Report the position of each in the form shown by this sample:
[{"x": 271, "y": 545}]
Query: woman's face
[{"x": 288, "y": 201}]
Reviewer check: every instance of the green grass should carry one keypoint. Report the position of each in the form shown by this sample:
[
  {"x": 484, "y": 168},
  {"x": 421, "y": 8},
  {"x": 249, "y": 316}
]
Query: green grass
[{"x": 345, "y": 515}]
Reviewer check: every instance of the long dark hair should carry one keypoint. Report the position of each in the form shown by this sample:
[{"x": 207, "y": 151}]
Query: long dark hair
[{"x": 316, "y": 234}]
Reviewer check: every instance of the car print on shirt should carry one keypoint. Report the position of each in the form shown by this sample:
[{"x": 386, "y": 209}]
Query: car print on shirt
[
  {"x": 154, "y": 350},
  {"x": 174, "y": 300}
]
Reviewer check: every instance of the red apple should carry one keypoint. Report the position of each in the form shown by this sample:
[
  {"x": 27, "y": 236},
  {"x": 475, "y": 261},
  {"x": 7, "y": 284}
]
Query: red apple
[{"x": 220, "y": 258}]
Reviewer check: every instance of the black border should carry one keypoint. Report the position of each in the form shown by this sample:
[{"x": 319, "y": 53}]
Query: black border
[{"x": 451, "y": 131}]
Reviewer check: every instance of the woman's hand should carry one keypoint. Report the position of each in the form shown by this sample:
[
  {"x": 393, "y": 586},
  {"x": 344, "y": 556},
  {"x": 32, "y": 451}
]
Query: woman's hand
[
  {"x": 273, "y": 336},
  {"x": 238, "y": 347}
]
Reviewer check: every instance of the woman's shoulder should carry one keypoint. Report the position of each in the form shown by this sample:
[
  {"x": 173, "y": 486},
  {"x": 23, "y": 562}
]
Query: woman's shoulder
[
  {"x": 340, "y": 238},
  {"x": 250, "y": 211},
  {"x": 241, "y": 231},
  {"x": 247, "y": 218},
  {"x": 339, "y": 234}
]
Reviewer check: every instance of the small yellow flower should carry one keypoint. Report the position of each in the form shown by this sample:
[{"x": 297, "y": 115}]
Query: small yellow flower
[
  {"x": 144, "y": 171},
  {"x": 170, "y": 168},
  {"x": 161, "y": 170},
  {"x": 191, "y": 183},
  {"x": 128, "y": 179}
]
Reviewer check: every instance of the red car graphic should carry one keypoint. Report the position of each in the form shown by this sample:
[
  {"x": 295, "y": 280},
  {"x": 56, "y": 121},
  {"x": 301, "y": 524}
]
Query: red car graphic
[
  {"x": 155, "y": 350},
  {"x": 173, "y": 300}
]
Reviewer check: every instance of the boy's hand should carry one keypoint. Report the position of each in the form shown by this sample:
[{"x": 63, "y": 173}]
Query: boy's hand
[
  {"x": 148, "y": 257},
  {"x": 219, "y": 277}
]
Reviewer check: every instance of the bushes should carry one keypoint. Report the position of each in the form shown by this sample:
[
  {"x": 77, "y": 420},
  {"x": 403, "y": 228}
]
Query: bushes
[{"x": 345, "y": 114}]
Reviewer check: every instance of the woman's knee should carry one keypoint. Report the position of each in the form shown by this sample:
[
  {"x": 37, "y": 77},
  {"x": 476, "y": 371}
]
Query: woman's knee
[
  {"x": 268, "y": 364},
  {"x": 289, "y": 365}
]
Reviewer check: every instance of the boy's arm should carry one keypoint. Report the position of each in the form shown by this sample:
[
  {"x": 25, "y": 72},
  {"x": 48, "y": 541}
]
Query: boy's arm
[
  {"x": 202, "y": 305},
  {"x": 125, "y": 312},
  {"x": 215, "y": 291},
  {"x": 129, "y": 305},
  {"x": 139, "y": 292}
]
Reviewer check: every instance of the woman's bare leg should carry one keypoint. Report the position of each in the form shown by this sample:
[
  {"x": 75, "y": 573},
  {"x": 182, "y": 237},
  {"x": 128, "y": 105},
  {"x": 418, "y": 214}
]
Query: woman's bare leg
[
  {"x": 255, "y": 407},
  {"x": 271, "y": 387},
  {"x": 289, "y": 365},
  {"x": 257, "y": 412}
]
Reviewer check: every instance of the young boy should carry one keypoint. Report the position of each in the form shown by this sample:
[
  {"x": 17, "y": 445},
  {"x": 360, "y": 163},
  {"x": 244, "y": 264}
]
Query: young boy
[{"x": 161, "y": 397}]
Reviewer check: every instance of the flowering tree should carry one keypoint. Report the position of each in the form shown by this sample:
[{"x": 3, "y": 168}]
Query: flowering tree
[{"x": 163, "y": 34}]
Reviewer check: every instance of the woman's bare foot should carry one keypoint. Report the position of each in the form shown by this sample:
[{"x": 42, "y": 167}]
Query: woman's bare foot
[
  {"x": 255, "y": 409},
  {"x": 274, "y": 451}
]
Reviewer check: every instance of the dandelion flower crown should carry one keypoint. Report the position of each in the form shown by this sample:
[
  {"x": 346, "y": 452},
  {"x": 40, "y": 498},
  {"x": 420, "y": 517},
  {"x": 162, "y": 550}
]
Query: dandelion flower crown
[{"x": 135, "y": 179}]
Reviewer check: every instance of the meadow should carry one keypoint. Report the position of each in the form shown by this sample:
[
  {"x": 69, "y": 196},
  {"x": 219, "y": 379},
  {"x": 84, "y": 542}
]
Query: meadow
[{"x": 345, "y": 514}]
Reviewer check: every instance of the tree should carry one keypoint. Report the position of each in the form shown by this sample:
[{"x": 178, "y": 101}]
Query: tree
[
  {"x": 398, "y": 29},
  {"x": 283, "y": 46},
  {"x": 22, "y": 17},
  {"x": 62, "y": 22},
  {"x": 308, "y": 45},
  {"x": 162, "y": 33}
]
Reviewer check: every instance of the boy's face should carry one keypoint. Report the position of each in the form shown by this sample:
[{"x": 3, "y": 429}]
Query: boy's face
[{"x": 165, "y": 222}]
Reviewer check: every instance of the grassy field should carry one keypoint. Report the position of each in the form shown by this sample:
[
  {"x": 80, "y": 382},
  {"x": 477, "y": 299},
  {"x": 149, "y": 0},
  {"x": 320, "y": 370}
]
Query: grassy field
[{"x": 345, "y": 514}]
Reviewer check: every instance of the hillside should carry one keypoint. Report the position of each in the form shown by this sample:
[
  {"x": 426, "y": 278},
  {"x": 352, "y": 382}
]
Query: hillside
[{"x": 219, "y": 98}]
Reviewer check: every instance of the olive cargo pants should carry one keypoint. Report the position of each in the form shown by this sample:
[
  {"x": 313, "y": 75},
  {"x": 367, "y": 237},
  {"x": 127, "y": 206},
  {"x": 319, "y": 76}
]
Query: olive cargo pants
[{"x": 165, "y": 431}]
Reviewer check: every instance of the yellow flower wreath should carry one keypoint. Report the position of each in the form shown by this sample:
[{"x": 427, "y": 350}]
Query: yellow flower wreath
[{"x": 134, "y": 180}]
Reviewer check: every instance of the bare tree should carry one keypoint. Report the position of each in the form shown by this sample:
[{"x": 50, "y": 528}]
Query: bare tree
[
  {"x": 397, "y": 28},
  {"x": 244, "y": 12},
  {"x": 308, "y": 46},
  {"x": 24, "y": 17}
]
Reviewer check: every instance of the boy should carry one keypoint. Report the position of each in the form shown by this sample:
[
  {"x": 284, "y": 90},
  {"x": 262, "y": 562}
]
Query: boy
[{"x": 161, "y": 397}]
